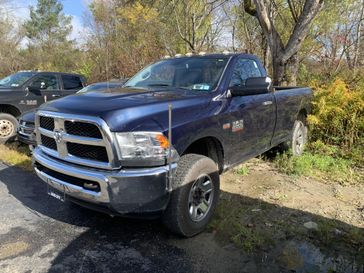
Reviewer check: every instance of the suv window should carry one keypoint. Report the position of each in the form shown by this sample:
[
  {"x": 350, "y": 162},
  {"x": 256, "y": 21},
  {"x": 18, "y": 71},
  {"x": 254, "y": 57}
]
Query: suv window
[
  {"x": 71, "y": 82},
  {"x": 45, "y": 82},
  {"x": 244, "y": 69}
]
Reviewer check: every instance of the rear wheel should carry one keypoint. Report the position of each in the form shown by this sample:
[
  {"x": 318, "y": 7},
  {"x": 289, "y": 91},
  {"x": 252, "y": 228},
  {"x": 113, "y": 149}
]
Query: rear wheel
[
  {"x": 299, "y": 137},
  {"x": 8, "y": 125},
  {"x": 195, "y": 195}
]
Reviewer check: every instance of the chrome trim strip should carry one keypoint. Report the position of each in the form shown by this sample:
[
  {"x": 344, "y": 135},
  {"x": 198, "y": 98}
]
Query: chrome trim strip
[
  {"x": 46, "y": 132},
  {"x": 75, "y": 139},
  {"x": 84, "y": 140},
  {"x": 76, "y": 160}
]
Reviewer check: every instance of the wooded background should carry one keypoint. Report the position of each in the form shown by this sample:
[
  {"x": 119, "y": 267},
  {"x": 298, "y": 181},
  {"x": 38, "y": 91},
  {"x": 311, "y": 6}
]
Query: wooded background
[
  {"x": 318, "y": 43},
  {"x": 325, "y": 38}
]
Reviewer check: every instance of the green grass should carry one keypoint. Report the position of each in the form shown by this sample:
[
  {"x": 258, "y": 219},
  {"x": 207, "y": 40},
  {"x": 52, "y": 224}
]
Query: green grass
[
  {"x": 322, "y": 166},
  {"x": 236, "y": 221},
  {"x": 16, "y": 155},
  {"x": 242, "y": 170}
]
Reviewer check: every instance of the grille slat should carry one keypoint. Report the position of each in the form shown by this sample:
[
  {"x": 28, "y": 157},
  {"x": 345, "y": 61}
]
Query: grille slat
[
  {"x": 46, "y": 123},
  {"x": 48, "y": 142},
  {"x": 82, "y": 129},
  {"x": 97, "y": 153}
]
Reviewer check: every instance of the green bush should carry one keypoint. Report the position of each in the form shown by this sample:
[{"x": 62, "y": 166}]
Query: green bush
[{"x": 337, "y": 120}]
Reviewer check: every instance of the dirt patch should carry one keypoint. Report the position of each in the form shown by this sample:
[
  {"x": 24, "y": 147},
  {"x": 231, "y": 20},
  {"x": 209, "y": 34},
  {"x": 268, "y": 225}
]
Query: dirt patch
[
  {"x": 299, "y": 223},
  {"x": 13, "y": 249},
  {"x": 334, "y": 201}
]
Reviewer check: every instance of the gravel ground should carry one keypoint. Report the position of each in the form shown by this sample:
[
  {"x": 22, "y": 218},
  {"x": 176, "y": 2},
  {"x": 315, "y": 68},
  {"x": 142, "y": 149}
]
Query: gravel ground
[{"x": 41, "y": 234}]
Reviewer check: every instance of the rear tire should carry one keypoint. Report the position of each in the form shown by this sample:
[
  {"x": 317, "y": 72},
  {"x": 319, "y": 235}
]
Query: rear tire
[
  {"x": 8, "y": 126},
  {"x": 298, "y": 138},
  {"x": 195, "y": 195}
]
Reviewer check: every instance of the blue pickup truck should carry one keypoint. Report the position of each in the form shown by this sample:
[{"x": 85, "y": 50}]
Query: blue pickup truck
[{"x": 156, "y": 146}]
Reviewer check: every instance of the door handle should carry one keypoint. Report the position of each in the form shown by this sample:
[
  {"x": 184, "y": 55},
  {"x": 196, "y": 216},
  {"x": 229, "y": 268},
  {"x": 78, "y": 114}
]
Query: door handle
[
  {"x": 56, "y": 96},
  {"x": 268, "y": 102}
]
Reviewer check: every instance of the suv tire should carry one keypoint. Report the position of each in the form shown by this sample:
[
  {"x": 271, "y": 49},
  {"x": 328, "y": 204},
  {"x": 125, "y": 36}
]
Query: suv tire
[
  {"x": 8, "y": 127},
  {"x": 194, "y": 198}
]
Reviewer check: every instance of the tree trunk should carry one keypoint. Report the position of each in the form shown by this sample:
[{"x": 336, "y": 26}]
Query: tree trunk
[
  {"x": 284, "y": 56},
  {"x": 285, "y": 74}
]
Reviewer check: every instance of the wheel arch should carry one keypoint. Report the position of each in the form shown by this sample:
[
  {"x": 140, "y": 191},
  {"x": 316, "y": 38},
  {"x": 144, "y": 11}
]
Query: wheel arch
[
  {"x": 302, "y": 114},
  {"x": 208, "y": 146},
  {"x": 10, "y": 109}
]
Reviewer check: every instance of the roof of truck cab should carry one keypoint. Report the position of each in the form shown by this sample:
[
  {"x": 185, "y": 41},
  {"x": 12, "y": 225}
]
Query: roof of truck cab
[
  {"x": 214, "y": 55},
  {"x": 60, "y": 73}
]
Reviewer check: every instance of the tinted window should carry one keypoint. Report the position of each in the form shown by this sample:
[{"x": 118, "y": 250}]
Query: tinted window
[
  {"x": 45, "y": 82},
  {"x": 71, "y": 82},
  {"x": 16, "y": 79},
  {"x": 244, "y": 68},
  {"x": 194, "y": 73}
]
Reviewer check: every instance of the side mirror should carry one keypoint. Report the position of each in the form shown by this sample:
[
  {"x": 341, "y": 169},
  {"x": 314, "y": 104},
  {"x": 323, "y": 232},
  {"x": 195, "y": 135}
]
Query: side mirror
[{"x": 253, "y": 86}]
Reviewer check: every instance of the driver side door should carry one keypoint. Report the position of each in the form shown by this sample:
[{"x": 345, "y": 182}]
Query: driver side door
[
  {"x": 253, "y": 115},
  {"x": 44, "y": 87}
]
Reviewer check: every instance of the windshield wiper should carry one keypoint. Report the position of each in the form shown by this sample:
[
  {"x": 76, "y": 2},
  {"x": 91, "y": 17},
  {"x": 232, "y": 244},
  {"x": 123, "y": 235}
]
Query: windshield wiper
[{"x": 158, "y": 84}]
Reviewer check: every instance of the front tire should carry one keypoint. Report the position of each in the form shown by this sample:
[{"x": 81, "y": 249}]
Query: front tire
[
  {"x": 195, "y": 195},
  {"x": 8, "y": 125}
]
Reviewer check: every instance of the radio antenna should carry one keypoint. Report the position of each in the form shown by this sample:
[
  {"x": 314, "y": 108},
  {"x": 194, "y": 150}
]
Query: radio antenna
[{"x": 170, "y": 148}]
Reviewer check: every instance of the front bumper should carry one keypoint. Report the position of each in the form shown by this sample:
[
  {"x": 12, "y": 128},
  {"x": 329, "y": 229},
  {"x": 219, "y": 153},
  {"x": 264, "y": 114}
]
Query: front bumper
[
  {"x": 125, "y": 191},
  {"x": 26, "y": 135},
  {"x": 26, "y": 139}
]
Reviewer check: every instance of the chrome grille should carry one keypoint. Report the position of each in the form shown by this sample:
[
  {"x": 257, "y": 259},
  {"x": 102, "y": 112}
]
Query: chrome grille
[{"x": 81, "y": 140}]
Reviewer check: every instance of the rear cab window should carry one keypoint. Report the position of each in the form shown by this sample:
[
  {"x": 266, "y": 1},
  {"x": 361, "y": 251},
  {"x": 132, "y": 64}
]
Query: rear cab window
[{"x": 72, "y": 82}]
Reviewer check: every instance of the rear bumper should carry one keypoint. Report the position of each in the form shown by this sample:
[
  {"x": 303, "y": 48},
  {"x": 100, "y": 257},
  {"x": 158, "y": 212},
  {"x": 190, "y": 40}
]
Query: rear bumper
[{"x": 125, "y": 191}]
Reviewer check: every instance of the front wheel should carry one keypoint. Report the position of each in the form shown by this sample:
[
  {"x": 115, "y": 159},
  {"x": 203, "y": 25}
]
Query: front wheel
[
  {"x": 195, "y": 195},
  {"x": 8, "y": 125}
]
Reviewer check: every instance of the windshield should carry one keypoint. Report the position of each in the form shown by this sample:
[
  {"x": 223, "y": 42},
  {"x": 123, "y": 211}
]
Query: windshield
[
  {"x": 17, "y": 79},
  {"x": 99, "y": 86},
  {"x": 194, "y": 73}
]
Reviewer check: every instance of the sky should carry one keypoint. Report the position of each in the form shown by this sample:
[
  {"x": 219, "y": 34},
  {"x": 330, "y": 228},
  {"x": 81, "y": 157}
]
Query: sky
[{"x": 19, "y": 9}]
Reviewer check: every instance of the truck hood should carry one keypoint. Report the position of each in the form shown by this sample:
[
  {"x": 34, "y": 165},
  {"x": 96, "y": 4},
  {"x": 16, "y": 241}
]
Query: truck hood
[{"x": 125, "y": 109}]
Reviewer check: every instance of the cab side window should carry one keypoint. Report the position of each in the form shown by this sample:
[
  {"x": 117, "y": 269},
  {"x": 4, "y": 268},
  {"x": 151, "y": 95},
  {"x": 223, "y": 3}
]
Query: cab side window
[
  {"x": 45, "y": 82},
  {"x": 71, "y": 82},
  {"x": 244, "y": 69}
]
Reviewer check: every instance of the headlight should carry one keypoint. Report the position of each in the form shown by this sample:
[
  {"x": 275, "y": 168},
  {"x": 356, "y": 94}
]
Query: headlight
[{"x": 144, "y": 149}]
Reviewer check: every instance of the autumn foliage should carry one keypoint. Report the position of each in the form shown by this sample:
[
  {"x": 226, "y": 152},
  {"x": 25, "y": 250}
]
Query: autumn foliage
[{"x": 338, "y": 117}]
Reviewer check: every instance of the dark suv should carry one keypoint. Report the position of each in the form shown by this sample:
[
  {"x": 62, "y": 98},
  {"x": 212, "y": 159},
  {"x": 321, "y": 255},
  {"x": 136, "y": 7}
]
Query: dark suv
[{"x": 26, "y": 90}]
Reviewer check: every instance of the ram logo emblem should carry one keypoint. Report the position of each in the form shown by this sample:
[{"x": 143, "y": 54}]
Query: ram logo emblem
[{"x": 58, "y": 136}]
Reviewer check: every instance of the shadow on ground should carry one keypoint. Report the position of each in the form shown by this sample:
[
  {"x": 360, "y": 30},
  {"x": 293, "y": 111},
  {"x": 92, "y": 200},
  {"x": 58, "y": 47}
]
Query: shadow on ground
[{"x": 270, "y": 238}]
